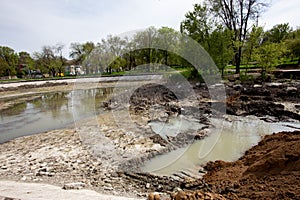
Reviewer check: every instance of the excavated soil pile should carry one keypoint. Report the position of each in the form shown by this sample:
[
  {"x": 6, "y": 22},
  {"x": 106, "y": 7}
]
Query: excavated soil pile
[{"x": 269, "y": 170}]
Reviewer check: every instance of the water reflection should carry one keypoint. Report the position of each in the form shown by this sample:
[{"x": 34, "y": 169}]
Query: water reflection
[
  {"x": 51, "y": 111},
  {"x": 16, "y": 110},
  {"x": 54, "y": 102}
]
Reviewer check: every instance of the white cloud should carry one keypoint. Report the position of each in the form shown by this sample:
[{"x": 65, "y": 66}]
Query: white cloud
[
  {"x": 28, "y": 25},
  {"x": 282, "y": 11}
]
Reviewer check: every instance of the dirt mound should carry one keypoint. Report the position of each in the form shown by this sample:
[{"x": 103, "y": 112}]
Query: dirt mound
[
  {"x": 271, "y": 169},
  {"x": 153, "y": 96}
]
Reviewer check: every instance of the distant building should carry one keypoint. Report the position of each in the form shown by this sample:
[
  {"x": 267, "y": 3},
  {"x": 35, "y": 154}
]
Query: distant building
[{"x": 74, "y": 70}]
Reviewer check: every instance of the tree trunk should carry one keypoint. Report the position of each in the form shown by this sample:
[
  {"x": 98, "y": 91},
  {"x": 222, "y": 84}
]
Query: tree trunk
[
  {"x": 166, "y": 57},
  {"x": 238, "y": 60}
]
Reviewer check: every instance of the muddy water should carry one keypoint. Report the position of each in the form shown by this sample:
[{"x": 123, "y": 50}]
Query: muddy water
[
  {"x": 228, "y": 143},
  {"x": 50, "y": 111}
]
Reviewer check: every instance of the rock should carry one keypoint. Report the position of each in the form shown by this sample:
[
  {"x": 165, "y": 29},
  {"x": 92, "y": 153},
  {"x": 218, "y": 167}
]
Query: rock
[
  {"x": 275, "y": 85},
  {"x": 147, "y": 185},
  {"x": 257, "y": 86},
  {"x": 237, "y": 87},
  {"x": 74, "y": 186},
  {"x": 291, "y": 89},
  {"x": 4, "y": 167}
]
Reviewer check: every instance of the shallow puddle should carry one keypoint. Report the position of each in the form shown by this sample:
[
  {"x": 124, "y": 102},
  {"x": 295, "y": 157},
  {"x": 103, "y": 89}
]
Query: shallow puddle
[
  {"x": 50, "y": 111},
  {"x": 227, "y": 142}
]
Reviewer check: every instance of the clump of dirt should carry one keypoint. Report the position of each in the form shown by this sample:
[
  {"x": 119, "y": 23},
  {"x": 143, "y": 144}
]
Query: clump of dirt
[
  {"x": 270, "y": 170},
  {"x": 153, "y": 96}
]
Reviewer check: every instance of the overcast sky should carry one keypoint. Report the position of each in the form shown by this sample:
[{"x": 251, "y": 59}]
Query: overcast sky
[{"x": 27, "y": 25}]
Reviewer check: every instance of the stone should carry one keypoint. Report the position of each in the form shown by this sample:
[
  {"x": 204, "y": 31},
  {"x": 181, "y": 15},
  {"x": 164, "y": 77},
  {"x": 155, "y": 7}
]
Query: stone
[
  {"x": 291, "y": 89},
  {"x": 74, "y": 186},
  {"x": 257, "y": 86},
  {"x": 275, "y": 85},
  {"x": 147, "y": 185},
  {"x": 238, "y": 87},
  {"x": 4, "y": 167}
]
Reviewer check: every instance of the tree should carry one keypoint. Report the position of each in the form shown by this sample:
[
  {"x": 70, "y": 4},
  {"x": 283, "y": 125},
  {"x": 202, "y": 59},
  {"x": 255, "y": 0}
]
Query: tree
[
  {"x": 26, "y": 63},
  {"x": 253, "y": 42},
  {"x": 215, "y": 39},
  {"x": 8, "y": 61},
  {"x": 50, "y": 59},
  {"x": 80, "y": 52},
  {"x": 110, "y": 52},
  {"x": 130, "y": 55},
  {"x": 220, "y": 47},
  {"x": 293, "y": 46},
  {"x": 278, "y": 33},
  {"x": 168, "y": 38},
  {"x": 237, "y": 16},
  {"x": 198, "y": 25},
  {"x": 269, "y": 55},
  {"x": 145, "y": 39}
]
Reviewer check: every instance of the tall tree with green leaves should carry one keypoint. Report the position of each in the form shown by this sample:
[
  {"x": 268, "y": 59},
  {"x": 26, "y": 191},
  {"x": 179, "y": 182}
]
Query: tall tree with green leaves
[
  {"x": 8, "y": 61},
  {"x": 253, "y": 41},
  {"x": 79, "y": 52},
  {"x": 269, "y": 55},
  {"x": 215, "y": 39},
  {"x": 146, "y": 39},
  {"x": 168, "y": 38},
  {"x": 278, "y": 33},
  {"x": 198, "y": 24},
  {"x": 293, "y": 47},
  {"x": 50, "y": 59},
  {"x": 237, "y": 16},
  {"x": 220, "y": 47}
]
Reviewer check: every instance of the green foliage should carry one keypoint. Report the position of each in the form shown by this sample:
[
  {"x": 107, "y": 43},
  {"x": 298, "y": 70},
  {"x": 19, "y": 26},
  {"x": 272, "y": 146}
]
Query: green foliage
[
  {"x": 50, "y": 60},
  {"x": 190, "y": 74},
  {"x": 79, "y": 52},
  {"x": 215, "y": 39},
  {"x": 293, "y": 46},
  {"x": 278, "y": 33},
  {"x": 270, "y": 55},
  {"x": 8, "y": 61},
  {"x": 237, "y": 16},
  {"x": 252, "y": 44},
  {"x": 220, "y": 49}
]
